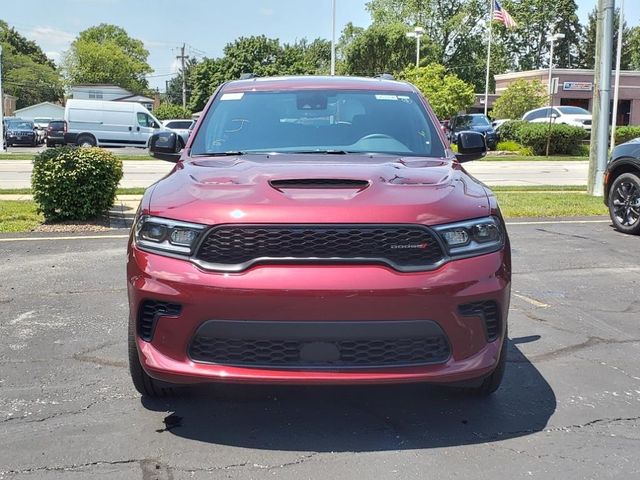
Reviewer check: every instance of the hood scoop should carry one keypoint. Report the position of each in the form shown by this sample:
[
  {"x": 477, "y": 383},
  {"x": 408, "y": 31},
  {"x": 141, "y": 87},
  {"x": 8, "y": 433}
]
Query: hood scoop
[{"x": 319, "y": 183}]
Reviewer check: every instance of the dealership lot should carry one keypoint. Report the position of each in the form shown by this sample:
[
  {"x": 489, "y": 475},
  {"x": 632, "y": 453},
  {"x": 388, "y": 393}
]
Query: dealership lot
[{"x": 569, "y": 406}]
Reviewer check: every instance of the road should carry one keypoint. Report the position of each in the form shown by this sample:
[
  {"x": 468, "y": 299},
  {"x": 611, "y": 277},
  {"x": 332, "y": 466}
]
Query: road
[
  {"x": 17, "y": 173},
  {"x": 569, "y": 407}
]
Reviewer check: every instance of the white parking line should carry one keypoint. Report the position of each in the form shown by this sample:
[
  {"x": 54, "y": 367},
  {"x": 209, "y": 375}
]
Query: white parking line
[{"x": 558, "y": 222}]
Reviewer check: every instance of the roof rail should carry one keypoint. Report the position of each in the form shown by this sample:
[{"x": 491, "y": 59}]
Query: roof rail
[
  {"x": 385, "y": 76},
  {"x": 247, "y": 76}
]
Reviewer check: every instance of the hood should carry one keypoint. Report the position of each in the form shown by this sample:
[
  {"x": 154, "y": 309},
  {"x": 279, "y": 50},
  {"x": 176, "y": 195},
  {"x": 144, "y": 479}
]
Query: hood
[{"x": 317, "y": 189}]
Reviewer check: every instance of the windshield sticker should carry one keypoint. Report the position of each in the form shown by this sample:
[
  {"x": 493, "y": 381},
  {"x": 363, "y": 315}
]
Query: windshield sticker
[
  {"x": 386, "y": 97},
  {"x": 232, "y": 96}
]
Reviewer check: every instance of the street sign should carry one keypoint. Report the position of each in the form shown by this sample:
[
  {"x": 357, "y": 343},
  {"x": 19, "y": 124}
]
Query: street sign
[{"x": 578, "y": 86}]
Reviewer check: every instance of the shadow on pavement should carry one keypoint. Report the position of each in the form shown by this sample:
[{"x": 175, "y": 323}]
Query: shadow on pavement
[{"x": 361, "y": 419}]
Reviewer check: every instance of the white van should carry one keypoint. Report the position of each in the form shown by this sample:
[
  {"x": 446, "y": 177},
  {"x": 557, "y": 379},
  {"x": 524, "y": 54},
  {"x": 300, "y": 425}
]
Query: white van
[{"x": 100, "y": 123}]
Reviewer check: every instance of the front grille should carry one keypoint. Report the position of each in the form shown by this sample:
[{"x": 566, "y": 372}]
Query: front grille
[
  {"x": 489, "y": 313},
  {"x": 586, "y": 122},
  {"x": 361, "y": 353},
  {"x": 150, "y": 311},
  {"x": 237, "y": 247}
]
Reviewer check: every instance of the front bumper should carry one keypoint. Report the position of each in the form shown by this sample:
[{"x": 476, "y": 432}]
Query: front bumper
[{"x": 312, "y": 294}]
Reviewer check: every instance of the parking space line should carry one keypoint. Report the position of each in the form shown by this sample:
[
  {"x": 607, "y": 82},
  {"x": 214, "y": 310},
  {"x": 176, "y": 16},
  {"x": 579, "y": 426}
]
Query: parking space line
[
  {"x": 78, "y": 237},
  {"x": 556, "y": 222}
]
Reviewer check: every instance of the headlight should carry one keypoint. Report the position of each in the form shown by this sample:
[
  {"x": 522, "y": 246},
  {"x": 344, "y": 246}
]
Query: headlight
[
  {"x": 165, "y": 235},
  {"x": 472, "y": 237}
]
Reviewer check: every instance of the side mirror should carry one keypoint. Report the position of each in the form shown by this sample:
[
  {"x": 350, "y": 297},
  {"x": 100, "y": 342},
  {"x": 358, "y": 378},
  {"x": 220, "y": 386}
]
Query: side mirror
[
  {"x": 471, "y": 146},
  {"x": 165, "y": 146}
]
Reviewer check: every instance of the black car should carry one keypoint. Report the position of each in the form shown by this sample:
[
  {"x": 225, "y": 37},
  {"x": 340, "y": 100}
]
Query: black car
[
  {"x": 475, "y": 122},
  {"x": 622, "y": 187},
  {"x": 20, "y": 132},
  {"x": 55, "y": 133}
]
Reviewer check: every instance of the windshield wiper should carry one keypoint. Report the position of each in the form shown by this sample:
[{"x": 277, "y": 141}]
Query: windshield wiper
[
  {"x": 230, "y": 153},
  {"x": 322, "y": 152}
]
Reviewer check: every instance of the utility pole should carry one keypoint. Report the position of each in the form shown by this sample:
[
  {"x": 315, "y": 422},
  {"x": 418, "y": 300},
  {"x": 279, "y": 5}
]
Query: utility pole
[
  {"x": 333, "y": 38},
  {"x": 601, "y": 98},
  {"x": 1, "y": 105},
  {"x": 182, "y": 57}
]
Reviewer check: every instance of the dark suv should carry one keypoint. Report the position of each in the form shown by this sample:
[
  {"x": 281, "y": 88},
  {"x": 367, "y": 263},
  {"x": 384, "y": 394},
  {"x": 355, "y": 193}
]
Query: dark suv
[
  {"x": 318, "y": 230},
  {"x": 20, "y": 132},
  {"x": 475, "y": 122},
  {"x": 55, "y": 133}
]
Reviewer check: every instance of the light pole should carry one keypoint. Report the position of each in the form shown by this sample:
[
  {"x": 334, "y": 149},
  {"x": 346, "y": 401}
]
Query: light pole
[
  {"x": 552, "y": 38},
  {"x": 417, "y": 33},
  {"x": 333, "y": 38}
]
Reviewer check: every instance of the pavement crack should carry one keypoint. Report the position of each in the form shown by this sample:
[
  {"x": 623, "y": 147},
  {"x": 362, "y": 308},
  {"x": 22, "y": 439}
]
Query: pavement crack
[
  {"x": 590, "y": 342},
  {"x": 251, "y": 465},
  {"x": 69, "y": 468},
  {"x": 85, "y": 356}
]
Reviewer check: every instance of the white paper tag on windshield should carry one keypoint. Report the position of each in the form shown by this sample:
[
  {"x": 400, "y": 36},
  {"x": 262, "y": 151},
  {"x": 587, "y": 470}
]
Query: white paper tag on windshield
[
  {"x": 386, "y": 97},
  {"x": 232, "y": 96}
]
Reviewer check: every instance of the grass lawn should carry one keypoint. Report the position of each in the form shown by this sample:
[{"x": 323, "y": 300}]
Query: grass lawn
[
  {"x": 18, "y": 216},
  {"x": 30, "y": 156},
  {"x": 549, "y": 204},
  {"x": 27, "y": 191},
  {"x": 520, "y": 158}
]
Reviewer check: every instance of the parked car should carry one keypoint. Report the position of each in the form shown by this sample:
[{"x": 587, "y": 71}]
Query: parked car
[
  {"x": 41, "y": 125},
  {"x": 181, "y": 127},
  {"x": 318, "y": 230},
  {"x": 475, "y": 122},
  {"x": 20, "y": 132},
  {"x": 496, "y": 124},
  {"x": 622, "y": 187},
  {"x": 55, "y": 133},
  {"x": 574, "y": 116},
  {"x": 100, "y": 123}
]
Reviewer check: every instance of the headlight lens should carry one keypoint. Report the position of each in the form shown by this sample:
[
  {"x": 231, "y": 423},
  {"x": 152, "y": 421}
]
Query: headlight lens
[
  {"x": 472, "y": 237},
  {"x": 163, "y": 234}
]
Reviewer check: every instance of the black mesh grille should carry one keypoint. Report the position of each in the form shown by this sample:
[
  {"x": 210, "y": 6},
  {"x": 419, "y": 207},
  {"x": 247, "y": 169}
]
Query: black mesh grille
[
  {"x": 488, "y": 311},
  {"x": 150, "y": 310},
  {"x": 319, "y": 183},
  {"x": 236, "y": 247},
  {"x": 365, "y": 353}
]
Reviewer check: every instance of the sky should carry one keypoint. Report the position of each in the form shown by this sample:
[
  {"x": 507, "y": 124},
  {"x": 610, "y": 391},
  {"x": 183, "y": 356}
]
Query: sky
[{"x": 205, "y": 26}]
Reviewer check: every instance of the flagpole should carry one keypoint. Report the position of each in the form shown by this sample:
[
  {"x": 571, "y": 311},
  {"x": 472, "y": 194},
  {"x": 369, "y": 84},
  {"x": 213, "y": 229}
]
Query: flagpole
[
  {"x": 486, "y": 83},
  {"x": 616, "y": 91}
]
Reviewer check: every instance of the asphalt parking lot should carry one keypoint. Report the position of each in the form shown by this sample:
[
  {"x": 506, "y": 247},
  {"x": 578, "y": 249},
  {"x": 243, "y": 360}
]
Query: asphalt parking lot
[{"x": 569, "y": 407}]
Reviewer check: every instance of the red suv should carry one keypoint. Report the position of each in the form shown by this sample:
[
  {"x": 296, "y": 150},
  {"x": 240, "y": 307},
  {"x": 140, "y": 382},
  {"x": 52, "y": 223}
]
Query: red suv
[{"x": 318, "y": 230}]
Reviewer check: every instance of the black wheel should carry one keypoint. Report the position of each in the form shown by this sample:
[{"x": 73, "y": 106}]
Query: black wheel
[
  {"x": 50, "y": 144},
  {"x": 624, "y": 203},
  {"x": 86, "y": 141},
  {"x": 147, "y": 386}
]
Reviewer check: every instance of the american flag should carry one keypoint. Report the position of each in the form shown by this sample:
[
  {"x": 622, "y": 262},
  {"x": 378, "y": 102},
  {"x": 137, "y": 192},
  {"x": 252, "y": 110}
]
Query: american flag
[{"x": 503, "y": 16}]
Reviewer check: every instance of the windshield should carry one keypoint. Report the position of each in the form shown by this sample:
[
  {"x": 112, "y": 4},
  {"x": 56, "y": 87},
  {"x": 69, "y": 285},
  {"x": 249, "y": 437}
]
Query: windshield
[
  {"x": 309, "y": 121},
  {"x": 20, "y": 125},
  {"x": 466, "y": 121},
  {"x": 573, "y": 111}
]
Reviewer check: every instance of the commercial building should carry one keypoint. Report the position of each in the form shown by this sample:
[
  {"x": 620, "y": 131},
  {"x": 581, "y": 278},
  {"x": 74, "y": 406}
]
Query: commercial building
[{"x": 575, "y": 87}]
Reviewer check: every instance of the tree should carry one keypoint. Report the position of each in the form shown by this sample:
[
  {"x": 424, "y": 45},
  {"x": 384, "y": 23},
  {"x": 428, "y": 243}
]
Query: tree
[
  {"x": 166, "y": 111},
  {"x": 379, "y": 49},
  {"x": 634, "y": 48},
  {"x": 106, "y": 54},
  {"x": 520, "y": 97},
  {"x": 27, "y": 73},
  {"x": 174, "y": 86},
  {"x": 455, "y": 33},
  {"x": 588, "y": 48},
  {"x": 261, "y": 56},
  {"x": 447, "y": 94},
  {"x": 527, "y": 46}
]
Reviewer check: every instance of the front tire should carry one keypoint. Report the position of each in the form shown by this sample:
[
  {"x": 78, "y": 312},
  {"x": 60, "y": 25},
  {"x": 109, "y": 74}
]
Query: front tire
[
  {"x": 624, "y": 203},
  {"x": 491, "y": 383},
  {"x": 86, "y": 141},
  {"x": 143, "y": 383}
]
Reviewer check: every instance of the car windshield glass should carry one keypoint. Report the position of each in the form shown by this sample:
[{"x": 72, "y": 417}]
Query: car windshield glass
[
  {"x": 20, "y": 125},
  {"x": 185, "y": 124},
  {"x": 573, "y": 111},
  {"x": 325, "y": 121},
  {"x": 466, "y": 121}
]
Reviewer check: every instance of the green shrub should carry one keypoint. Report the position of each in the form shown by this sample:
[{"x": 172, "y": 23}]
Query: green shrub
[
  {"x": 509, "y": 130},
  {"x": 512, "y": 146},
  {"x": 624, "y": 134},
  {"x": 583, "y": 150},
  {"x": 75, "y": 183},
  {"x": 166, "y": 111},
  {"x": 565, "y": 140}
]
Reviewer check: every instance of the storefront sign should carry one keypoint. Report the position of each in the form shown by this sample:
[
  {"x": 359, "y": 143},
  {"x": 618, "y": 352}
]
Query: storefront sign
[{"x": 578, "y": 86}]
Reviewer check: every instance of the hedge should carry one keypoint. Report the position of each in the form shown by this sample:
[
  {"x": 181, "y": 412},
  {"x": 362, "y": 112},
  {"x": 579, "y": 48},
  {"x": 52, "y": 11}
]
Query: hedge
[
  {"x": 624, "y": 134},
  {"x": 75, "y": 183},
  {"x": 564, "y": 139}
]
